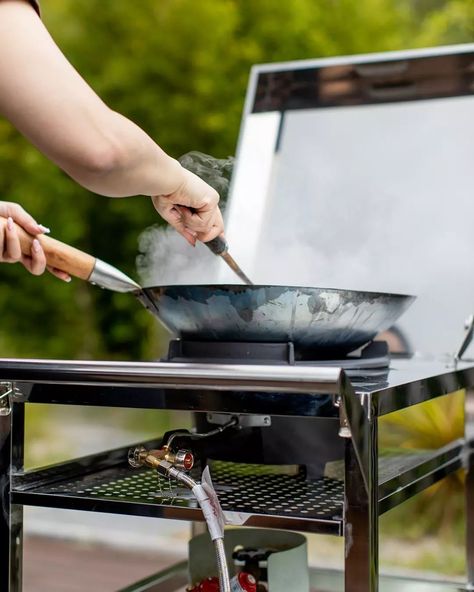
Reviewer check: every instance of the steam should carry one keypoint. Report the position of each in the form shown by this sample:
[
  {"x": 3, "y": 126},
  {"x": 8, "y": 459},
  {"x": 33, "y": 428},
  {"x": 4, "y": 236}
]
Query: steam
[
  {"x": 358, "y": 198},
  {"x": 371, "y": 198},
  {"x": 165, "y": 257}
]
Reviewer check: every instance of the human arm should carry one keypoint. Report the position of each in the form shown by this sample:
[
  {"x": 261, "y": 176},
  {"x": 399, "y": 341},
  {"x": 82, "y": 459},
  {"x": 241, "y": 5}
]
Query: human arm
[{"x": 51, "y": 104}]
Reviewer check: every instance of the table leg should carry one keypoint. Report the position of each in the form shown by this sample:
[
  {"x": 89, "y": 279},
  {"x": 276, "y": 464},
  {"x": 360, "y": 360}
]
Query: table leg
[
  {"x": 11, "y": 517},
  {"x": 5, "y": 451},
  {"x": 361, "y": 500},
  {"x": 469, "y": 436}
]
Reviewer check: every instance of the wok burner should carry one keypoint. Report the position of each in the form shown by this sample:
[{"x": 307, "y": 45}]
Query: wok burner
[
  {"x": 371, "y": 360},
  {"x": 281, "y": 441}
]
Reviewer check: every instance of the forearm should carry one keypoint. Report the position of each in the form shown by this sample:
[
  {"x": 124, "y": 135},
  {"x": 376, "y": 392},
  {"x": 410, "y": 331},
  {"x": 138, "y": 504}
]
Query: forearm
[
  {"x": 49, "y": 102},
  {"x": 129, "y": 162}
]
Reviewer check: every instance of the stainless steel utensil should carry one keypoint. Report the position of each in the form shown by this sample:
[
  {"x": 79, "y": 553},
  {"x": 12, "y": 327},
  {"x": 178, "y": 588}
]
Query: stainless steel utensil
[{"x": 220, "y": 247}]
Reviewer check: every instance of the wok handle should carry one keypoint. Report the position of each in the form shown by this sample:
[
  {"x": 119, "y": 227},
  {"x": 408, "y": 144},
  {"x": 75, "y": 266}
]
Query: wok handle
[{"x": 58, "y": 254}]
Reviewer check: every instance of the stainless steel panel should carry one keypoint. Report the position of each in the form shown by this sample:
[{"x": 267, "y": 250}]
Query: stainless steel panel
[{"x": 368, "y": 189}]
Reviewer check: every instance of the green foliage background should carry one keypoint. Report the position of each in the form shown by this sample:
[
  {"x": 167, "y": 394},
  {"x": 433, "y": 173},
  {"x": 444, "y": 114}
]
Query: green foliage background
[{"x": 179, "y": 69}]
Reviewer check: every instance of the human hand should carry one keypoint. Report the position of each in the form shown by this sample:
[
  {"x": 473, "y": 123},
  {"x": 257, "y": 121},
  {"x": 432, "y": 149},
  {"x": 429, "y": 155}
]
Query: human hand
[
  {"x": 192, "y": 209},
  {"x": 10, "y": 246}
]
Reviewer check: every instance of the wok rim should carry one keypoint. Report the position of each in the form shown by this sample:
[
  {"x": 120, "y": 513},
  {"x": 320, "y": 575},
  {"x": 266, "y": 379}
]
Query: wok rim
[{"x": 232, "y": 287}]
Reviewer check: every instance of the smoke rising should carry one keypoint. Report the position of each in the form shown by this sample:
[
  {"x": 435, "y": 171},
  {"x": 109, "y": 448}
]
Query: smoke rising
[{"x": 215, "y": 171}]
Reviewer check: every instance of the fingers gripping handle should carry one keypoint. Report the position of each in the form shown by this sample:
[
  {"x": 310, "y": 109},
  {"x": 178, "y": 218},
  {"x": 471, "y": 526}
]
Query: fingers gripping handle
[{"x": 58, "y": 254}]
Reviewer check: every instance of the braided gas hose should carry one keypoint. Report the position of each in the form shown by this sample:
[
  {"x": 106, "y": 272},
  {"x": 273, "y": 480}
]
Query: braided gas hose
[
  {"x": 223, "y": 571},
  {"x": 140, "y": 456}
]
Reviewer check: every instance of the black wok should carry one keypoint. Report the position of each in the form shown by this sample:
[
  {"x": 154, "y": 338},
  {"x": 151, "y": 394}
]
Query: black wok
[{"x": 312, "y": 318}]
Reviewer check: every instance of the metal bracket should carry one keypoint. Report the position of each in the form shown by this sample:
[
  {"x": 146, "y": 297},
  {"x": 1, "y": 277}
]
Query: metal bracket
[
  {"x": 243, "y": 421},
  {"x": 344, "y": 428},
  {"x": 8, "y": 394}
]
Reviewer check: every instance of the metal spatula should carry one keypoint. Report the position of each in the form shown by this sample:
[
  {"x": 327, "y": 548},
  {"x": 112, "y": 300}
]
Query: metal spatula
[{"x": 220, "y": 247}]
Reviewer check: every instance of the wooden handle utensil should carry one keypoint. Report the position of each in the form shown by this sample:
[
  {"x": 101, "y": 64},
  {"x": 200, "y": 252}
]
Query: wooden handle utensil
[
  {"x": 58, "y": 254},
  {"x": 75, "y": 262}
]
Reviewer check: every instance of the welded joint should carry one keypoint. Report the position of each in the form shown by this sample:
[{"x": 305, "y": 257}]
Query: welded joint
[{"x": 9, "y": 393}]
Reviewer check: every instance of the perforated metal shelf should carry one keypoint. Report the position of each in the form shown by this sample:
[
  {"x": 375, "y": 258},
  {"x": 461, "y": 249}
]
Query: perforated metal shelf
[{"x": 262, "y": 495}]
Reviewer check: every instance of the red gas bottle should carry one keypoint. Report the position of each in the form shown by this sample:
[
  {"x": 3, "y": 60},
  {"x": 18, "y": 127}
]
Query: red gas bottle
[
  {"x": 209, "y": 585},
  {"x": 243, "y": 582}
]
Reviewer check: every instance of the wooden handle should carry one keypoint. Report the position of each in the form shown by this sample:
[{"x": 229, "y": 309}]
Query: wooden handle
[
  {"x": 217, "y": 245},
  {"x": 58, "y": 254}
]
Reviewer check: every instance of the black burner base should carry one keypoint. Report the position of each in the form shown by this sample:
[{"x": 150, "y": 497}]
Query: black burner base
[
  {"x": 373, "y": 355},
  {"x": 231, "y": 351}
]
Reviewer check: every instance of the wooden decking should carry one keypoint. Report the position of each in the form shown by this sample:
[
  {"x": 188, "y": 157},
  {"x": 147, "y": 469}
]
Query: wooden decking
[{"x": 53, "y": 565}]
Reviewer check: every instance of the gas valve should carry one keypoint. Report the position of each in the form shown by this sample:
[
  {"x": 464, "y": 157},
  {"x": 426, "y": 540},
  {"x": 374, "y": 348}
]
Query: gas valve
[{"x": 140, "y": 456}]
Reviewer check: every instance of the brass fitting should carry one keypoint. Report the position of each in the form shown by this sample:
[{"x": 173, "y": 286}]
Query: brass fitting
[{"x": 140, "y": 456}]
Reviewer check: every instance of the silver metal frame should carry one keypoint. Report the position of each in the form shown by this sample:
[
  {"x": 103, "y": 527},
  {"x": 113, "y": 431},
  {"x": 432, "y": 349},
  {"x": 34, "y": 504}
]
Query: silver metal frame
[{"x": 260, "y": 390}]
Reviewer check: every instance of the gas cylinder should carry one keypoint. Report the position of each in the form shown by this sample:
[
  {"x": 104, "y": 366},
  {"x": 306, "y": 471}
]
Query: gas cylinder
[
  {"x": 209, "y": 585},
  {"x": 243, "y": 582}
]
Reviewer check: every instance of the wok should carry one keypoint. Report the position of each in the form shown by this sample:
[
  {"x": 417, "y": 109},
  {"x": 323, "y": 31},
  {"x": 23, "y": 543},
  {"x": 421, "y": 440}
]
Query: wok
[{"x": 316, "y": 319}]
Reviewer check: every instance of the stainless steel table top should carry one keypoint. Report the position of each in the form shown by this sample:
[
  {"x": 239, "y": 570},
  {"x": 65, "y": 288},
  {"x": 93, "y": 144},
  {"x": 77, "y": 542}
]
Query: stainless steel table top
[{"x": 408, "y": 381}]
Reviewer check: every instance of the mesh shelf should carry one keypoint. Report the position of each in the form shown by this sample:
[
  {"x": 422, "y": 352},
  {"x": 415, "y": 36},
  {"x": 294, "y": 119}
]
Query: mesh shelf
[
  {"x": 263, "y": 495},
  {"x": 247, "y": 489}
]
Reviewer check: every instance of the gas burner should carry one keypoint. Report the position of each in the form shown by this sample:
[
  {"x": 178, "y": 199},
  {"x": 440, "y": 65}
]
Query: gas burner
[
  {"x": 374, "y": 356},
  {"x": 282, "y": 440}
]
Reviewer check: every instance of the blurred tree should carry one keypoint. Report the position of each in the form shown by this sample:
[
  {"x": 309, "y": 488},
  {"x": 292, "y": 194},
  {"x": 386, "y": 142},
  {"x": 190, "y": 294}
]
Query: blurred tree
[
  {"x": 453, "y": 24},
  {"x": 179, "y": 68},
  {"x": 430, "y": 426}
]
